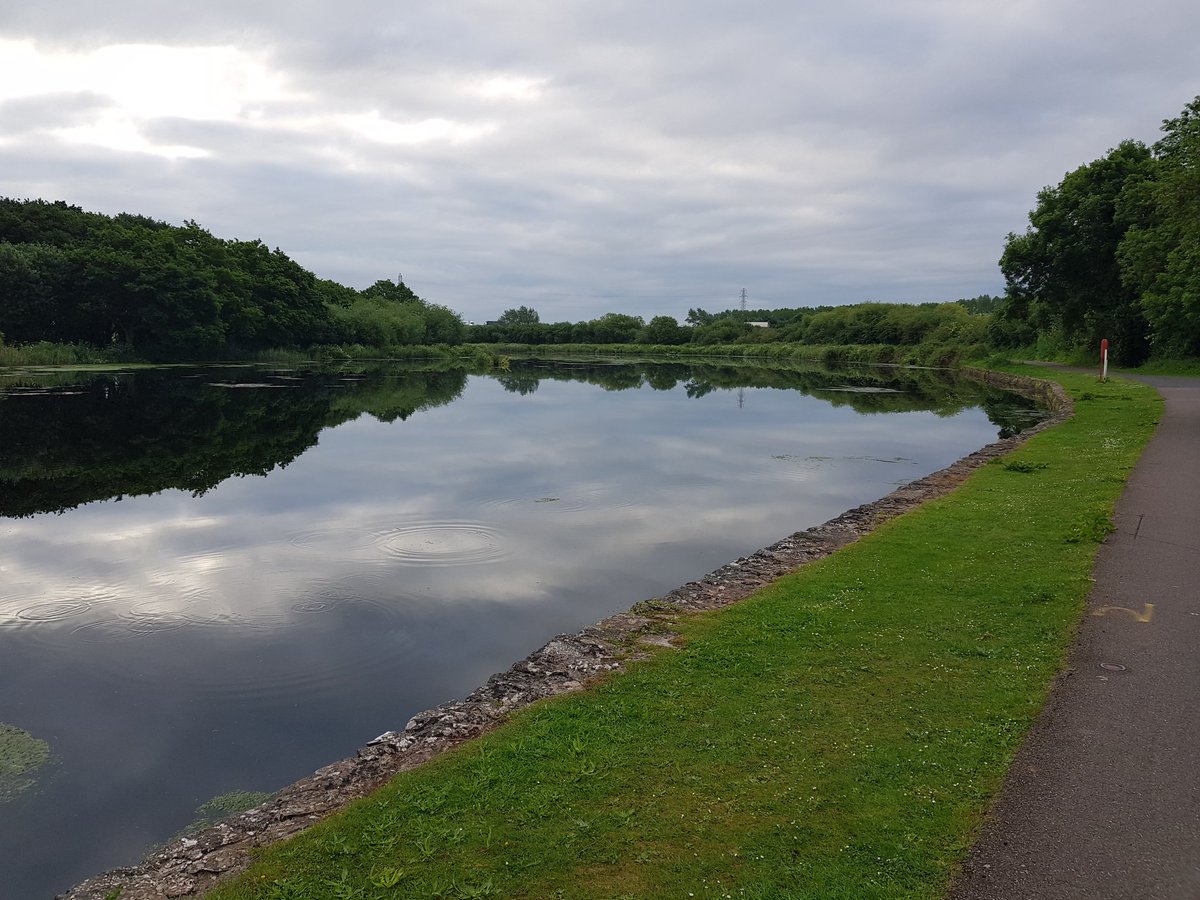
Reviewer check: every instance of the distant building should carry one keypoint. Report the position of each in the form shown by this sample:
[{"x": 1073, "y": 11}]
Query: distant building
[{"x": 759, "y": 324}]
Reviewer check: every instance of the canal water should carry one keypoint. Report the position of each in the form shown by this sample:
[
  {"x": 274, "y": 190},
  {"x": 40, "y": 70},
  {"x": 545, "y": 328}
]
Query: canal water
[{"x": 215, "y": 580}]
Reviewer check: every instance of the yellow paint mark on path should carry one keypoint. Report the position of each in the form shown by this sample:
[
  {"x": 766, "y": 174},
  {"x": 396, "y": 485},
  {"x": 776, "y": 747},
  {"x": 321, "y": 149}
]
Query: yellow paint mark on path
[{"x": 1143, "y": 617}]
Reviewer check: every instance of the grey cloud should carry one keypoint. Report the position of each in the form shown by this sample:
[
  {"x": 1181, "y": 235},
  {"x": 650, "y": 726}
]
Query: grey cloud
[{"x": 58, "y": 110}]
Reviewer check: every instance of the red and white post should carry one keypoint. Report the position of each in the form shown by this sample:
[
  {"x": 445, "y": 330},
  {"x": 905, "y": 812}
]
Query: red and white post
[{"x": 1103, "y": 359}]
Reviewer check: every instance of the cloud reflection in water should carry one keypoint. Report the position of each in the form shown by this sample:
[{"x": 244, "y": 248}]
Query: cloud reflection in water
[{"x": 251, "y": 634}]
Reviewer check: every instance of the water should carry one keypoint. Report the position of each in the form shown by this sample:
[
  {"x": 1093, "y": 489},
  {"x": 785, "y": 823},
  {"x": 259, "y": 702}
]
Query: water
[{"x": 221, "y": 579}]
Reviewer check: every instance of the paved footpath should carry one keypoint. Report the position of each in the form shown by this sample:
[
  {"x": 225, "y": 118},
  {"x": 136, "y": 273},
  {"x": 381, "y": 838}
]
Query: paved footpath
[{"x": 1103, "y": 800}]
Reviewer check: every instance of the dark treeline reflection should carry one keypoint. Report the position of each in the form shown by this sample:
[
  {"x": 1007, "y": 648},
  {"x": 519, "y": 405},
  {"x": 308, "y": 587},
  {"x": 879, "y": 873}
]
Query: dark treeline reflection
[
  {"x": 69, "y": 439},
  {"x": 110, "y": 435},
  {"x": 865, "y": 390}
]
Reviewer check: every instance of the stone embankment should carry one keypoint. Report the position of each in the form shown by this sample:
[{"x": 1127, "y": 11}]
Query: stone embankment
[{"x": 189, "y": 866}]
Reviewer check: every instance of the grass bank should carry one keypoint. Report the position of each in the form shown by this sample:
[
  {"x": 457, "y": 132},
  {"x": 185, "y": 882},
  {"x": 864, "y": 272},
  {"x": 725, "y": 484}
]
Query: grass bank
[
  {"x": 47, "y": 353},
  {"x": 836, "y": 736},
  {"x": 1169, "y": 367}
]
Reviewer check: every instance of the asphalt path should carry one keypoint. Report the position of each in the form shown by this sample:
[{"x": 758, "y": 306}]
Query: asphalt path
[{"x": 1103, "y": 799}]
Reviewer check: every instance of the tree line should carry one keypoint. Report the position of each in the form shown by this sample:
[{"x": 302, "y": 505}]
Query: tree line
[
  {"x": 1113, "y": 251},
  {"x": 129, "y": 283},
  {"x": 900, "y": 324},
  {"x": 167, "y": 291}
]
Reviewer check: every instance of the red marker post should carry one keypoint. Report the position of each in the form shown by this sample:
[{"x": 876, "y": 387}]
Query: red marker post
[{"x": 1103, "y": 359}]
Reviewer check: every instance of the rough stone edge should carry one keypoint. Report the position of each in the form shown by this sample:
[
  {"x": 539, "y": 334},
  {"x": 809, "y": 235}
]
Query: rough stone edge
[{"x": 189, "y": 866}]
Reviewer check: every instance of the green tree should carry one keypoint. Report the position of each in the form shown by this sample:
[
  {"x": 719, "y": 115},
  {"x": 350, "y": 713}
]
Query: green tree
[
  {"x": 396, "y": 291},
  {"x": 1160, "y": 253},
  {"x": 142, "y": 287},
  {"x": 43, "y": 222},
  {"x": 443, "y": 325},
  {"x": 1062, "y": 273},
  {"x": 272, "y": 301},
  {"x": 615, "y": 328},
  {"x": 377, "y": 322},
  {"x": 31, "y": 278},
  {"x": 983, "y": 305},
  {"x": 522, "y": 315},
  {"x": 664, "y": 330},
  {"x": 719, "y": 331}
]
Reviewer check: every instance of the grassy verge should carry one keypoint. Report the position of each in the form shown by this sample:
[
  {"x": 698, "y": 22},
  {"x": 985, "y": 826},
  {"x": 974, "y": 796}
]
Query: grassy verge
[
  {"x": 837, "y": 735},
  {"x": 1169, "y": 367}
]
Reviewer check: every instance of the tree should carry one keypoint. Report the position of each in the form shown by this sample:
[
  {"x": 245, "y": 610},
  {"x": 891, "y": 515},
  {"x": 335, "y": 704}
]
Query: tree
[
  {"x": 1063, "y": 273},
  {"x": 142, "y": 287},
  {"x": 615, "y": 328},
  {"x": 719, "y": 331},
  {"x": 443, "y": 325},
  {"x": 30, "y": 287},
  {"x": 664, "y": 330},
  {"x": 983, "y": 305},
  {"x": 276, "y": 303},
  {"x": 522, "y": 315},
  {"x": 396, "y": 291},
  {"x": 41, "y": 222},
  {"x": 1160, "y": 253}
]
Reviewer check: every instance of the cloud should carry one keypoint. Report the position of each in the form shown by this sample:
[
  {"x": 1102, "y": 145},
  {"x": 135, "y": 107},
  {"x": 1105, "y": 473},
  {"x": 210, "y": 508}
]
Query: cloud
[
  {"x": 26, "y": 115},
  {"x": 609, "y": 156}
]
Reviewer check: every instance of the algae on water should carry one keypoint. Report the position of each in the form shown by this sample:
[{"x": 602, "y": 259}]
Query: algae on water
[
  {"x": 21, "y": 754},
  {"x": 222, "y": 806},
  {"x": 231, "y": 803}
]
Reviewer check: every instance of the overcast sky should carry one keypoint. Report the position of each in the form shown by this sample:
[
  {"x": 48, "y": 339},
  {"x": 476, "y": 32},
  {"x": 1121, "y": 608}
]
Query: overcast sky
[{"x": 585, "y": 157}]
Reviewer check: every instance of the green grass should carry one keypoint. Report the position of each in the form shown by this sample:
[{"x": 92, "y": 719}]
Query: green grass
[
  {"x": 21, "y": 755},
  {"x": 1169, "y": 367},
  {"x": 47, "y": 353},
  {"x": 837, "y": 735}
]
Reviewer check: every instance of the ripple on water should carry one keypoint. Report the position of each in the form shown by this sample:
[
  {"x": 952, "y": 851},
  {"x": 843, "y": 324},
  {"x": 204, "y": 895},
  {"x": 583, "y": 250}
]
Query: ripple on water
[
  {"x": 592, "y": 500},
  {"x": 442, "y": 543},
  {"x": 503, "y": 503},
  {"x": 18, "y": 612},
  {"x": 314, "y": 605},
  {"x": 568, "y": 500},
  {"x": 253, "y": 656},
  {"x": 53, "y": 610},
  {"x": 130, "y": 627},
  {"x": 804, "y": 468},
  {"x": 328, "y": 666},
  {"x": 798, "y": 468},
  {"x": 341, "y": 540}
]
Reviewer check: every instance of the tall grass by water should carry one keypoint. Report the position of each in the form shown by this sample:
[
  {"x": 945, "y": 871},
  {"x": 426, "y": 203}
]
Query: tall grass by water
[{"x": 47, "y": 353}]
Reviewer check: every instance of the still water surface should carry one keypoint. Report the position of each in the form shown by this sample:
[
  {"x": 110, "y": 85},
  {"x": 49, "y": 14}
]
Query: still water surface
[{"x": 215, "y": 580}]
